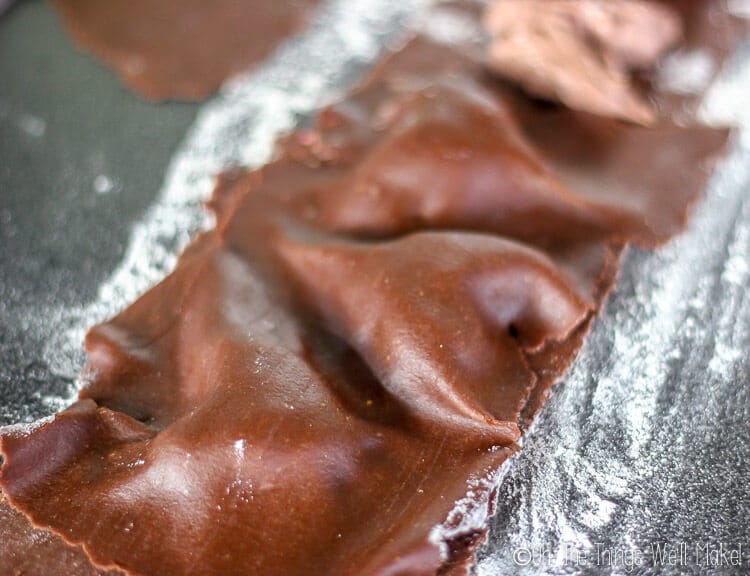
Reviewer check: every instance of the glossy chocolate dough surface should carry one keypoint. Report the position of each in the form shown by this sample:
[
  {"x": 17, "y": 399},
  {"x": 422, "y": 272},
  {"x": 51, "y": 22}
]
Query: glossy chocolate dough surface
[
  {"x": 26, "y": 551},
  {"x": 181, "y": 49},
  {"x": 376, "y": 316}
]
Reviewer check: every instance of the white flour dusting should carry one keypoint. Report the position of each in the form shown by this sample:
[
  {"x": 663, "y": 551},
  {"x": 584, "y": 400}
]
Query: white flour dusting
[
  {"x": 686, "y": 72},
  {"x": 27, "y": 428},
  {"x": 448, "y": 25},
  {"x": 739, "y": 7}
]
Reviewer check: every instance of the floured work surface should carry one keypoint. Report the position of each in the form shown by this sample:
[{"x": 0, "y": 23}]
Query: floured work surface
[{"x": 362, "y": 341}]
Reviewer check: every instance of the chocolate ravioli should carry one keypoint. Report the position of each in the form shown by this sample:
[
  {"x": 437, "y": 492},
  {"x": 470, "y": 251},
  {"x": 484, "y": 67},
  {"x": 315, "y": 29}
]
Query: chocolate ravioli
[
  {"x": 181, "y": 49},
  {"x": 377, "y": 315}
]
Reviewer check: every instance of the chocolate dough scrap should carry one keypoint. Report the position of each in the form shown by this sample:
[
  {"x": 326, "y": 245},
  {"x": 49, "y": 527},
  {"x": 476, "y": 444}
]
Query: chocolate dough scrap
[
  {"x": 581, "y": 53},
  {"x": 181, "y": 49},
  {"x": 376, "y": 317},
  {"x": 602, "y": 56}
]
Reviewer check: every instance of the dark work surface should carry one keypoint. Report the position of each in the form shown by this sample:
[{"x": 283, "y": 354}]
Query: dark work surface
[{"x": 67, "y": 128}]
